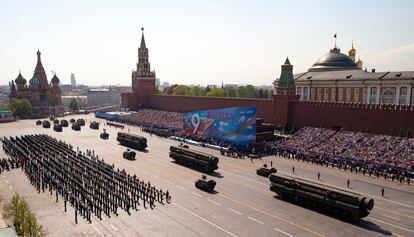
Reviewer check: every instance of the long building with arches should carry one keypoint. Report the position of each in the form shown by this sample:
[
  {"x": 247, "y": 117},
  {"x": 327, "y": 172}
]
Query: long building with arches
[{"x": 337, "y": 77}]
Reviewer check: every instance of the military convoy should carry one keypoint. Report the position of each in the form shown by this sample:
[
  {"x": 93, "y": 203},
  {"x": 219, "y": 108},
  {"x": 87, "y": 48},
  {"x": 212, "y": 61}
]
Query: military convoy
[
  {"x": 132, "y": 141},
  {"x": 46, "y": 124},
  {"x": 265, "y": 171},
  {"x": 81, "y": 122},
  {"x": 205, "y": 184},
  {"x": 94, "y": 125},
  {"x": 305, "y": 191},
  {"x": 76, "y": 127},
  {"x": 104, "y": 135},
  {"x": 57, "y": 128},
  {"x": 64, "y": 123},
  {"x": 129, "y": 155},
  {"x": 194, "y": 159}
]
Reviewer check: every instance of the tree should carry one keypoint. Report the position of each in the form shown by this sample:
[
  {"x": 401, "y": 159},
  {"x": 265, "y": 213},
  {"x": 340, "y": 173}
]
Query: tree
[
  {"x": 24, "y": 221},
  {"x": 73, "y": 105},
  {"x": 270, "y": 93},
  {"x": 230, "y": 92},
  {"x": 20, "y": 107},
  {"x": 216, "y": 92},
  {"x": 181, "y": 90}
]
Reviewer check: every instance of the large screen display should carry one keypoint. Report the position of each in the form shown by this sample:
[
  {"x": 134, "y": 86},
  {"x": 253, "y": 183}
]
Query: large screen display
[{"x": 237, "y": 124}]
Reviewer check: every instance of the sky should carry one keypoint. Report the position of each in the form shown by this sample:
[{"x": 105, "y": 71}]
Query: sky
[{"x": 199, "y": 42}]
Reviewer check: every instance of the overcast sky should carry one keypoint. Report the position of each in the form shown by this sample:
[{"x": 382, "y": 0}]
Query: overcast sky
[{"x": 199, "y": 42}]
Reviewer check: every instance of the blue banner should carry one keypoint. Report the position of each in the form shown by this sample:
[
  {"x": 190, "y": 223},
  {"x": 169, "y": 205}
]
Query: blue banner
[{"x": 237, "y": 124}]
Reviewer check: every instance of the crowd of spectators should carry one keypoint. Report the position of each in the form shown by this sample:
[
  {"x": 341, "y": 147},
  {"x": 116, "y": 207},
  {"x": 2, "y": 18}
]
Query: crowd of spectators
[
  {"x": 370, "y": 154},
  {"x": 388, "y": 156}
]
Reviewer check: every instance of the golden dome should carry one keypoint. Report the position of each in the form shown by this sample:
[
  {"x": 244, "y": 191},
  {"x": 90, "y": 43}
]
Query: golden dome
[
  {"x": 352, "y": 51},
  {"x": 359, "y": 61}
]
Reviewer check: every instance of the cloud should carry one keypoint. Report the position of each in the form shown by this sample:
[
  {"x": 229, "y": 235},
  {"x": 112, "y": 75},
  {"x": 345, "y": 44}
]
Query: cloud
[{"x": 397, "y": 59}]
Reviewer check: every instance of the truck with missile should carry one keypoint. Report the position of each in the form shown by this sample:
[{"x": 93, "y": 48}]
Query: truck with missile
[
  {"x": 319, "y": 195},
  {"x": 194, "y": 159},
  {"x": 132, "y": 141}
]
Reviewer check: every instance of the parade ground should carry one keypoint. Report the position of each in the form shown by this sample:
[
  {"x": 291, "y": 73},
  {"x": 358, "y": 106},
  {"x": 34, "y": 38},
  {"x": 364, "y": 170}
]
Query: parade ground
[{"x": 242, "y": 204}]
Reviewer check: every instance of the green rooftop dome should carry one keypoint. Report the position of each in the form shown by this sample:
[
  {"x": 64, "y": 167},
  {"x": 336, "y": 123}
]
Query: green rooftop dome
[{"x": 20, "y": 80}]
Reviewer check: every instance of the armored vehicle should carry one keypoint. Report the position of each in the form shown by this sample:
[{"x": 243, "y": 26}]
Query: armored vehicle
[
  {"x": 304, "y": 191},
  {"x": 76, "y": 127},
  {"x": 265, "y": 171},
  {"x": 56, "y": 121},
  {"x": 72, "y": 120},
  {"x": 81, "y": 122},
  {"x": 64, "y": 123},
  {"x": 194, "y": 159},
  {"x": 205, "y": 184},
  {"x": 94, "y": 125},
  {"x": 132, "y": 141},
  {"x": 38, "y": 122},
  {"x": 104, "y": 135},
  {"x": 129, "y": 155},
  {"x": 46, "y": 124},
  {"x": 57, "y": 128}
]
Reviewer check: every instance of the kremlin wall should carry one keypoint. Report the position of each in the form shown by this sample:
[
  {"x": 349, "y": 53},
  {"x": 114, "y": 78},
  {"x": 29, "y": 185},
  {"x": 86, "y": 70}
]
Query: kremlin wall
[{"x": 287, "y": 109}]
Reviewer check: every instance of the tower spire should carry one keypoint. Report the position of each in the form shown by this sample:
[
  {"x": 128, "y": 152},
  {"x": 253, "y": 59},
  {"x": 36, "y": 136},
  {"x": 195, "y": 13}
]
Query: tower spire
[{"x": 142, "y": 46}]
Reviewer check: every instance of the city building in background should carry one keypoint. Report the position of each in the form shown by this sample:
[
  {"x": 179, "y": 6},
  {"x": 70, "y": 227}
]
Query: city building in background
[
  {"x": 45, "y": 98},
  {"x": 337, "y": 77},
  {"x": 72, "y": 80},
  {"x": 103, "y": 96}
]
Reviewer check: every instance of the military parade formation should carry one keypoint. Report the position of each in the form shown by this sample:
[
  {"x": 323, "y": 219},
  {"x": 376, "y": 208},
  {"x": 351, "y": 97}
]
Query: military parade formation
[{"x": 89, "y": 184}]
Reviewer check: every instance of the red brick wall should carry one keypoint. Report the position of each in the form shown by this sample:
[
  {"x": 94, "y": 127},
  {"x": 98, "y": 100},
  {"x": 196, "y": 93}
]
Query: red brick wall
[
  {"x": 381, "y": 119},
  {"x": 264, "y": 107}
]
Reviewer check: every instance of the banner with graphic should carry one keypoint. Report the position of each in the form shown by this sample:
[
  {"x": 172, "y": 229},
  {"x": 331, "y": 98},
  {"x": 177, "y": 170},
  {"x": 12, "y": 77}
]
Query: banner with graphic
[{"x": 236, "y": 124}]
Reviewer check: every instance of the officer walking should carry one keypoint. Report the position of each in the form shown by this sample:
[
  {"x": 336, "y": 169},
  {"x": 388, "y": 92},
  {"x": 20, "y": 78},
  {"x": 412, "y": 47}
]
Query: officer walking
[{"x": 382, "y": 191}]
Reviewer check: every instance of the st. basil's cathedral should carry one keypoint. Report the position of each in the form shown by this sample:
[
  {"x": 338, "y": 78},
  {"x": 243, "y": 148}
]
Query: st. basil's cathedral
[{"x": 44, "y": 97}]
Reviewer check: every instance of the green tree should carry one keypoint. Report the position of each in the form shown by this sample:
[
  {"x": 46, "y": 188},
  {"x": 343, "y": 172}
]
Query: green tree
[
  {"x": 270, "y": 93},
  {"x": 251, "y": 91},
  {"x": 216, "y": 92},
  {"x": 20, "y": 107},
  {"x": 24, "y": 221},
  {"x": 73, "y": 105},
  {"x": 181, "y": 90},
  {"x": 230, "y": 92}
]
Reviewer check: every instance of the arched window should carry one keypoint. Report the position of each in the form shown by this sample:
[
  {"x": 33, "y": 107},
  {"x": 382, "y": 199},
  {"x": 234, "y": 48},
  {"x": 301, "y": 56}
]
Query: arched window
[{"x": 388, "y": 96}]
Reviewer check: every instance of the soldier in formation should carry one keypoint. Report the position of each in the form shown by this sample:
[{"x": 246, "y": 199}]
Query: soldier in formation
[{"x": 87, "y": 183}]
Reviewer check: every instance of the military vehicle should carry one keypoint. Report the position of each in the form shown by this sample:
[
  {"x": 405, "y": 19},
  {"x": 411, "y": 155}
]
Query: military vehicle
[
  {"x": 129, "y": 155},
  {"x": 76, "y": 127},
  {"x": 38, "y": 122},
  {"x": 72, "y": 120},
  {"x": 265, "y": 171},
  {"x": 57, "y": 128},
  {"x": 194, "y": 159},
  {"x": 64, "y": 123},
  {"x": 132, "y": 141},
  {"x": 104, "y": 135},
  {"x": 81, "y": 122},
  {"x": 94, "y": 125},
  {"x": 205, "y": 184},
  {"x": 304, "y": 191},
  {"x": 46, "y": 124},
  {"x": 56, "y": 121}
]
